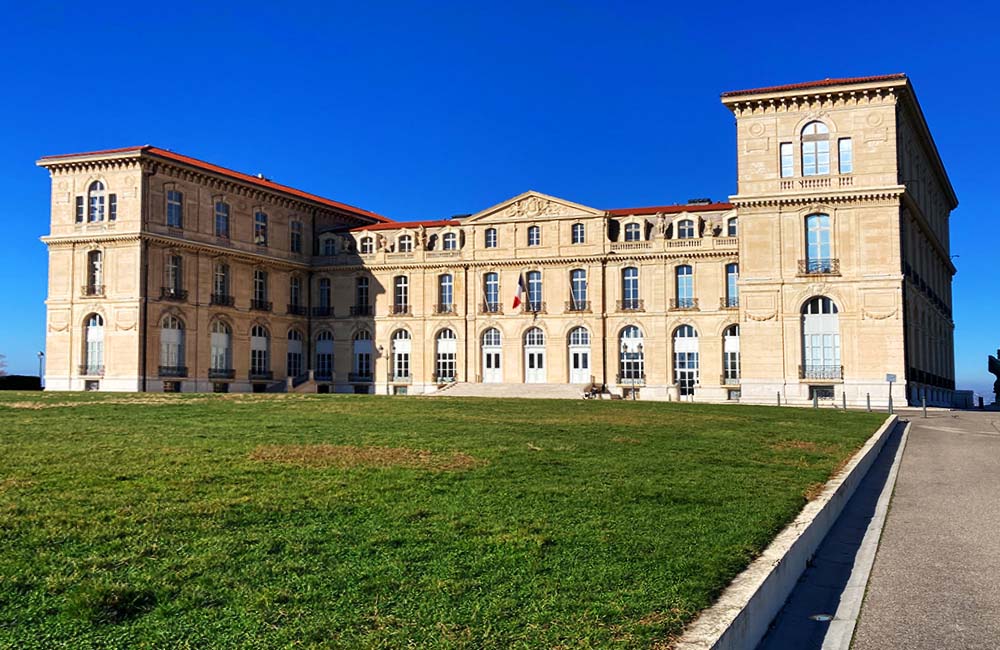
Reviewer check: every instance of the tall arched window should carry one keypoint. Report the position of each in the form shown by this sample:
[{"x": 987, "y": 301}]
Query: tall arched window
[
  {"x": 731, "y": 356},
  {"x": 630, "y": 289},
  {"x": 534, "y": 236},
  {"x": 732, "y": 299},
  {"x": 685, "y": 229},
  {"x": 93, "y": 351},
  {"x": 446, "y": 293},
  {"x": 684, "y": 287},
  {"x": 815, "y": 149},
  {"x": 686, "y": 359},
  {"x": 578, "y": 290},
  {"x": 447, "y": 351},
  {"x": 401, "y": 345},
  {"x": 324, "y": 356},
  {"x": 820, "y": 339},
  {"x": 222, "y": 350},
  {"x": 260, "y": 352},
  {"x": 491, "y": 352},
  {"x": 362, "y": 356},
  {"x": 579, "y": 233},
  {"x": 491, "y": 292},
  {"x": 534, "y": 291},
  {"x": 632, "y": 356},
  {"x": 95, "y": 274},
  {"x": 633, "y": 232},
  {"x": 819, "y": 252},
  {"x": 294, "y": 358},
  {"x": 491, "y": 238},
  {"x": 95, "y": 200},
  {"x": 172, "y": 362}
]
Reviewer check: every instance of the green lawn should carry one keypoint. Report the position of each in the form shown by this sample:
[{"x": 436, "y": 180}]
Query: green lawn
[{"x": 200, "y": 521}]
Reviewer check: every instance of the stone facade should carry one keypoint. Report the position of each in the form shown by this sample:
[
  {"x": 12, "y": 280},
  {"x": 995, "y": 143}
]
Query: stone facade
[{"x": 828, "y": 270}]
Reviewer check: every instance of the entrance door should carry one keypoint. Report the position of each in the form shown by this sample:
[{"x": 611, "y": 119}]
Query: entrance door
[
  {"x": 579, "y": 356},
  {"x": 492, "y": 371},
  {"x": 534, "y": 356}
]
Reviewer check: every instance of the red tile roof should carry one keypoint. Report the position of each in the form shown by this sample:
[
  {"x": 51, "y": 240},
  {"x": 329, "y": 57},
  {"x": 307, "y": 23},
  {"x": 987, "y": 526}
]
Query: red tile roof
[
  {"x": 246, "y": 178},
  {"x": 408, "y": 224},
  {"x": 672, "y": 209},
  {"x": 816, "y": 84}
]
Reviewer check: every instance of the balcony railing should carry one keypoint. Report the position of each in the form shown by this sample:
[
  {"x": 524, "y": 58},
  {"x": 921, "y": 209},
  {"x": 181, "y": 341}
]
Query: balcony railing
[
  {"x": 821, "y": 372},
  {"x": 221, "y": 373},
  {"x": 91, "y": 370},
  {"x": 262, "y": 374},
  {"x": 361, "y": 310},
  {"x": 442, "y": 379},
  {"x": 173, "y": 371},
  {"x": 729, "y": 380},
  {"x": 684, "y": 304},
  {"x": 323, "y": 375},
  {"x": 92, "y": 290},
  {"x": 631, "y": 379},
  {"x": 820, "y": 266},
  {"x": 360, "y": 377},
  {"x": 490, "y": 308},
  {"x": 401, "y": 379},
  {"x": 537, "y": 307},
  {"x": 223, "y": 299},
  {"x": 445, "y": 308},
  {"x": 729, "y": 302},
  {"x": 260, "y": 305},
  {"x": 297, "y": 310},
  {"x": 577, "y": 305},
  {"x": 631, "y": 304},
  {"x": 173, "y": 293},
  {"x": 322, "y": 312},
  {"x": 399, "y": 310}
]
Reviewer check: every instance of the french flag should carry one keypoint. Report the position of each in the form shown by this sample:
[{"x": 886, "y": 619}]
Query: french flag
[{"x": 519, "y": 296}]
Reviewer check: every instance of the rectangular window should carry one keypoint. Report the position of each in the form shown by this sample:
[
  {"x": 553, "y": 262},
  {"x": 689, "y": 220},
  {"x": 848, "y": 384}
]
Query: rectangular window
[
  {"x": 174, "y": 274},
  {"x": 491, "y": 238},
  {"x": 112, "y": 207},
  {"x": 787, "y": 158},
  {"x": 534, "y": 290},
  {"x": 845, "y": 155},
  {"x": 295, "y": 292},
  {"x": 296, "y": 237},
  {"x": 222, "y": 219},
  {"x": 221, "y": 285},
  {"x": 578, "y": 233},
  {"x": 324, "y": 293},
  {"x": 401, "y": 295},
  {"x": 260, "y": 286},
  {"x": 446, "y": 291},
  {"x": 732, "y": 285},
  {"x": 534, "y": 236},
  {"x": 79, "y": 209},
  {"x": 491, "y": 284},
  {"x": 260, "y": 228},
  {"x": 175, "y": 209},
  {"x": 361, "y": 296}
]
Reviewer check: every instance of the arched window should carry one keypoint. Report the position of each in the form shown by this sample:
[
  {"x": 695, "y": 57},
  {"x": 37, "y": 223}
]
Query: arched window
[
  {"x": 534, "y": 236},
  {"x": 367, "y": 246},
  {"x": 491, "y": 352},
  {"x": 534, "y": 303},
  {"x": 260, "y": 228},
  {"x": 633, "y": 232},
  {"x": 401, "y": 345},
  {"x": 95, "y": 199},
  {"x": 324, "y": 356},
  {"x": 815, "y": 149},
  {"x": 579, "y": 233},
  {"x": 405, "y": 243},
  {"x": 685, "y": 229},
  {"x": 294, "y": 359},
  {"x": 222, "y": 350},
  {"x": 820, "y": 339},
  {"x": 630, "y": 289},
  {"x": 401, "y": 295},
  {"x": 491, "y": 238},
  {"x": 732, "y": 299},
  {"x": 732, "y": 229},
  {"x": 534, "y": 336},
  {"x": 632, "y": 359},
  {"x": 172, "y": 347},
  {"x": 578, "y": 290},
  {"x": 579, "y": 336},
  {"x": 686, "y": 359},
  {"x": 362, "y": 356},
  {"x": 491, "y": 292},
  {"x": 491, "y": 337},
  {"x": 819, "y": 251},
  {"x": 260, "y": 352},
  {"x": 731, "y": 356},
  {"x": 684, "y": 284},
  {"x": 447, "y": 350},
  {"x": 449, "y": 241},
  {"x": 95, "y": 274},
  {"x": 93, "y": 351},
  {"x": 446, "y": 293}
]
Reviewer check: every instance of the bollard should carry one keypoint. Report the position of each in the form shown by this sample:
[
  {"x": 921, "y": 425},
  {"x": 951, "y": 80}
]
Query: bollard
[
  {"x": 923, "y": 402},
  {"x": 779, "y": 398},
  {"x": 815, "y": 400},
  {"x": 890, "y": 403},
  {"x": 843, "y": 400},
  {"x": 981, "y": 407},
  {"x": 868, "y": 399}
]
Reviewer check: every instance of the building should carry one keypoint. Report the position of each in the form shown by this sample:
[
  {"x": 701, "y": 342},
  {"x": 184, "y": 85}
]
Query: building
[{"x": 828, "y": 270}]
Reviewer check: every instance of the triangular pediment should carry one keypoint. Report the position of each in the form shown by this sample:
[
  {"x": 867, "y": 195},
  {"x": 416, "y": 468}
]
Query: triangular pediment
[{"x": 533, "y": 206}]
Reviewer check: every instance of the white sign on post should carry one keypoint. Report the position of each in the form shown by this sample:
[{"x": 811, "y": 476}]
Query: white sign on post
[{"x": 890, "y": 378}]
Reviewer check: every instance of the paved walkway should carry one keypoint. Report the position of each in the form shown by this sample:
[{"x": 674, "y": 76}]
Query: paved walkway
[{"x": 936, "y": 579}]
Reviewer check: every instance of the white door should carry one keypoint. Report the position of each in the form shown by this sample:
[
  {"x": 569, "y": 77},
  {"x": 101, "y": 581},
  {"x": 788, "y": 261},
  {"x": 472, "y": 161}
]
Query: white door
[
  {"x": 534, "y": 364},
  {"x": 579, "y": 364},
  {"x": 492, "y": 374}
]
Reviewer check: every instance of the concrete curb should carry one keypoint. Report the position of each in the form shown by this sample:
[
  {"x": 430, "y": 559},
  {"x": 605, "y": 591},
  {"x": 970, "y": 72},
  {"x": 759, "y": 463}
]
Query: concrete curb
[
  {"x": 841, "y": 631},
  {"x": 744, "y": 611}
]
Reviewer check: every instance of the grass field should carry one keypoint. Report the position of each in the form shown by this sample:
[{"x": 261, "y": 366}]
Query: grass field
[{"x": 376, "y": 522}]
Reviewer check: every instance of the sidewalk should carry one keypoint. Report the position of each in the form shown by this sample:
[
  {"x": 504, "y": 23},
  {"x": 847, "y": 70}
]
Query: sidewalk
[{"x": 935, "y": 583}]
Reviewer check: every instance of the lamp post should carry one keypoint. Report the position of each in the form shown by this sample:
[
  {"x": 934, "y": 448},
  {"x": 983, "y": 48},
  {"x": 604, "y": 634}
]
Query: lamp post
[
  {"x": 380, "y": 350},
  {"x": 41, "y": 356}
]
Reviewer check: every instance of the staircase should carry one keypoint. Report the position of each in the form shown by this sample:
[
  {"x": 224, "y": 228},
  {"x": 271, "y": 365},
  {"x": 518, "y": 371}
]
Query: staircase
[{"x": 535, "y": 391}]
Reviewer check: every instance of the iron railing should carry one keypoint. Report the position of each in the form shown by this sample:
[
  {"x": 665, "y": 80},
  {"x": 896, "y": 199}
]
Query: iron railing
[
  {"x": 221, "y": 373},
  {"x": 260, "y": 305},
  {"x": 91, "y": 370},
  {"x": 681, "y": 304},
  {"x": 223, "y": 299},
  {"x": 729, "y": 302},
  {"x": 820, "y": 266},
  {"x": 92, "y": 290},
  {"x": 172, "y": 371},
  {"x": 173, "y": 293},
  {"x": 262, "y": 374},
  {"x": 297, "y": 310},
  {"x": 577, "y": 305},
  {"x": 361, "y": 310},
  {"x": 322, "y": 312},
  {"x": 399, "y": 310},
  {"x": 631, "y": 304},
  {"x": 821, "y": 372}
]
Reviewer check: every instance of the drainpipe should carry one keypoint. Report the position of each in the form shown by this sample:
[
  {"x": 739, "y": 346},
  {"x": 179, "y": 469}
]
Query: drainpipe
[
  {"x": 144, "y": 265},
  {"x": 465, "y": 288},
  {"x": 604, "y": 323}
]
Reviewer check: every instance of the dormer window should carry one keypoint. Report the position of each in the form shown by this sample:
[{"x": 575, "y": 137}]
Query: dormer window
[
  {"x": 367, "y": 246},
  {"x": 815, "y": 149},
  {"x": 732, "y": 228},
  {"x": 329, "y": 246},
  {"x": 633, "y": 232},
  {"x": 450, "y": 241},
  {"x": 685, "y": 229},
  {"x": 406, "y": 244},
  {"x": 534, "y": 236}
]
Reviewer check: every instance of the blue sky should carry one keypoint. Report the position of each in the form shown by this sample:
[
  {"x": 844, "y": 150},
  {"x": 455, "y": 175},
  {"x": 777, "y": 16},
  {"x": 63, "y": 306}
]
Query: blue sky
[{"x": 425, "y": 110}]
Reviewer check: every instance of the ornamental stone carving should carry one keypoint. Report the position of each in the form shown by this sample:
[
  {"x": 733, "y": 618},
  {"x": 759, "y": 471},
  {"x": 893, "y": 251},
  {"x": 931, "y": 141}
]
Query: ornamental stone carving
[{"x": 533, "y": 206}]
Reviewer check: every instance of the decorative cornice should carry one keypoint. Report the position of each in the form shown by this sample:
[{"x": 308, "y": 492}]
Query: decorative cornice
[
  {"x": 812, "y": 99},
  {"x": 874, "y": 195}
]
